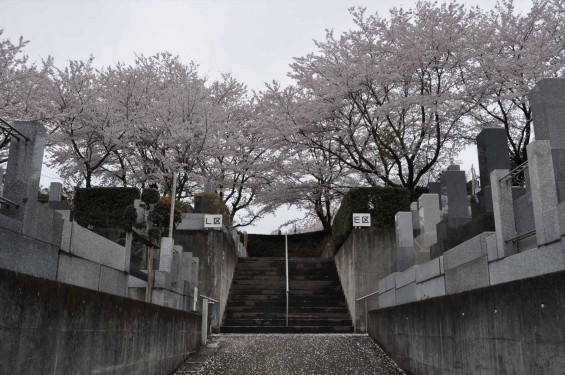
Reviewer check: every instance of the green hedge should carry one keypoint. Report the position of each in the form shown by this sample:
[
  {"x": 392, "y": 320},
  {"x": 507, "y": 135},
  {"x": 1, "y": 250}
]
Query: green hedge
[
  {"x": 381, "y": 202},
  {"x": 103, "y": 207},
  {"x": 299, "y": 245}
]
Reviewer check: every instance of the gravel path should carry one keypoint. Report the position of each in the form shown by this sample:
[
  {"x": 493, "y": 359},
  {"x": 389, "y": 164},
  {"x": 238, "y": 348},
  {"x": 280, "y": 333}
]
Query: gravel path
[{"x": 272, "y": 354}]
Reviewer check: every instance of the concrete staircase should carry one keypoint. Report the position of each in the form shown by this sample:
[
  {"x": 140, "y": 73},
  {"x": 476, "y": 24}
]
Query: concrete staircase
[{"x": 257, "y": 300}]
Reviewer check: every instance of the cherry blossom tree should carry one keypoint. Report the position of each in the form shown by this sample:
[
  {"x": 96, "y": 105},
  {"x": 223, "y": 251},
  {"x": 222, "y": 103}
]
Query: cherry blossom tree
[
  {"x": 174, "y": 133},
  {"x": 389, "y": 95},
  {"x": 83, "y": 133},
  {"x": 21, "y": 88},
  {"x": 307, "y": 176},
  {"x": 240, "y": 159},
  {"x": 517, "y": 50}
]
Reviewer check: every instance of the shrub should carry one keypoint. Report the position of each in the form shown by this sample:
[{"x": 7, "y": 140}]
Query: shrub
[
  {"x": 163, "y": 210},
  {"x": 103, "y": 207},
  {"x": 150, "y": 196},
  {"x": 381, "y": 202}
]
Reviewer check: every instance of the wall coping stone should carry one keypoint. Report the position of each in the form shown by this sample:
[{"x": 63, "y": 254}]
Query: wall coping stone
[{"x": 467, "y": 251}]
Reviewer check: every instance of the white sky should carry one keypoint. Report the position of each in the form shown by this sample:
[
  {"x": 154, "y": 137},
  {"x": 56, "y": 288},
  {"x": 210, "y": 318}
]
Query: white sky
[{"x": 255, "y": 40}]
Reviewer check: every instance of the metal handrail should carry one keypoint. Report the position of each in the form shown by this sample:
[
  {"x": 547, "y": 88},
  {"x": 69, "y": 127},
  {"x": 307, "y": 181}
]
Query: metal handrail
[
  {"x": 209, "y": 298},
  {"x": 8, "y": 202},
  {"x": 367, "y": 296},
  {"x": 522, "y": 236},
  {"x": 515, "y": 171},
  {"x": 11, "y": 130},
  {"x": 366, "y": 309}
]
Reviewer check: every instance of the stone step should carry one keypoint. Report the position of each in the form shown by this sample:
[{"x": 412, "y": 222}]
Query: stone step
[
  {"x": 293, "y": 284},
  {"x": 280, "y": 303},
  {"x": 292, "y": 315},
  {"x": 271, "y": 271},
  {"x": 281, "y": 306},
  {"x": 257, "y": 299},
  {"x": 282, "y": 274},
  {"x": 282, "y": 260},
  {"x": 284, "y": 329},
  {"x": 291, "y": 322},
  {"x": 280, "y": 295}
]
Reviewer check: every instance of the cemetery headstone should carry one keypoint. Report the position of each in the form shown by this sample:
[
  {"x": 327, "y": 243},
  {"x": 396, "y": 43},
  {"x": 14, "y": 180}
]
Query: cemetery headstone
[
  {"x": 547, "y": 99},
  {"x": 23, "y": 171},
  {"x": 404, "y": 256}
]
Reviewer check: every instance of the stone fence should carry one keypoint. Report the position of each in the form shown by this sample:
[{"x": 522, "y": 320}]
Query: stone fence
[
  {"x": 41, "y": 240},
  {"x": 487, "y": 296}
]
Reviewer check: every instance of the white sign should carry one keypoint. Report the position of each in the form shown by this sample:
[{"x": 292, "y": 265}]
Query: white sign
[
  {"x": 212, "y": 221},
  {"x": 361, "y": 220}
]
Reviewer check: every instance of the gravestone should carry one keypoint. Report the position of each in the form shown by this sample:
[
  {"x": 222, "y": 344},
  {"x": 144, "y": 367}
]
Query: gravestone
[
  {"x": 55, "y": 196},
  {"x": 454, "y": 208},
  {"x": 456, "y": 191},
  {"x": 429, "y": 217},
  {"x": 435, "y": 188},
  {"x": 492, "y": 149},
  {"x": 404, "y": 256},
  {"x": 21, "y": 182},
  {"x": 547, "y": 99}
]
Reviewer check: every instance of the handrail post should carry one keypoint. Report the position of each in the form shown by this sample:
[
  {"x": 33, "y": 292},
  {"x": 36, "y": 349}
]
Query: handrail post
[
  {"x": 205, "y": 301},
  {"x": 366, "y": 317},
  {"x": 286, "y": 261},
  {"x": 365, "y": 298},
  {"x": 204, "y": 333}
]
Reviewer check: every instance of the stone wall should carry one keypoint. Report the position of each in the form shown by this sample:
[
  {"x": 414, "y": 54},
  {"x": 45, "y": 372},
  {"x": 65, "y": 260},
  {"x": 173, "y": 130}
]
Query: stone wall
[
  {"x": 474, "y": 264},
  {"x": 512, "y": 328},
  {"x": 364, "y": 258},
  {"x": 92, "y": 261},
  {"x": 25, "y": 254},
  {"x": 217, "y": 254},
  {"x": 47, "y": 327}
]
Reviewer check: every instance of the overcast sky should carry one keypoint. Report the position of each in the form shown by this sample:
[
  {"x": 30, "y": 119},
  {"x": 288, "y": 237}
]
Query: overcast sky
[{"x": 255, "y": 40}]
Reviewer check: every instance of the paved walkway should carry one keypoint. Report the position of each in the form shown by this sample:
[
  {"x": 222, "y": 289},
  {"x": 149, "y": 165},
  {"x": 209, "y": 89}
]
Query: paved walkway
[{"x": 272, "y": 354}]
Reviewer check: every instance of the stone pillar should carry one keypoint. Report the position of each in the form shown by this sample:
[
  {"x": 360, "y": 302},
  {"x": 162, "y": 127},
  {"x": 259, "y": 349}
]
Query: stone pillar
[
  {"x": 23, "y": 171},
  {"x": 435, "y": 188},
  {"x": 55, "y": 192},
  {"x": 195, "y": 271},
  {"x": 404, "y": 256},
  {"x": 429, "y": 216},
  {"x": 55, "y": 196},
  {"x": 177, "y": 269},
  {"x": 129, "y": 242},
  {"x": 1, "y": 180},
  {"x": 166, "y": 254},
  {"x": 547, "y": 99},
  {"x": 503, "y": 207},
  {"x": 457, "y": 202},
  {"x": 415, "y": 216},
  {"x": 492, "y": 149},
  {"x": 544, "y": 192},
  {"x": 187, "y": 268}
]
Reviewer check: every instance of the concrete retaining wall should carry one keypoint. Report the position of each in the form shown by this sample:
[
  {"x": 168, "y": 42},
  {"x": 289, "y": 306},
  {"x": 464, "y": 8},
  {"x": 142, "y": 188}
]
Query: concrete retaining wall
[
  {"x": 47, "y": 327},
  {"x": 364, "y": 258},
  {"x": 217, "y": 255},
  {"x": 512, "y": 328}
]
